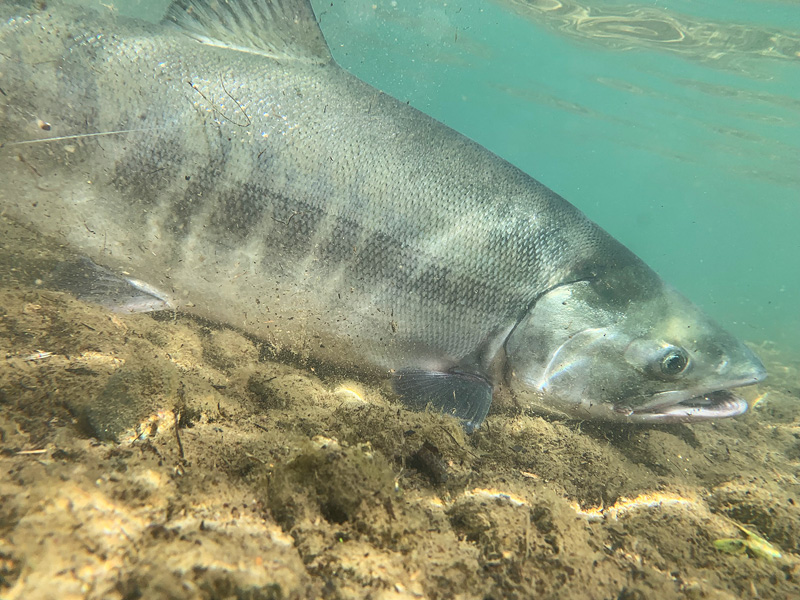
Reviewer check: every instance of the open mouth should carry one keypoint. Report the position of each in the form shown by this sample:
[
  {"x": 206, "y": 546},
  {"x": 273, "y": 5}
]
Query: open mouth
[
  {"x": 674, "y": 406},
  {"x": 713, "y": 405}
]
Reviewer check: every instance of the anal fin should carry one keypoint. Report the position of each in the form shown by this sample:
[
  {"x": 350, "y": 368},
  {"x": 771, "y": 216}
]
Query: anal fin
[
  {"x": 466, "y": 396},
  {"x": 92, "y": 283}
]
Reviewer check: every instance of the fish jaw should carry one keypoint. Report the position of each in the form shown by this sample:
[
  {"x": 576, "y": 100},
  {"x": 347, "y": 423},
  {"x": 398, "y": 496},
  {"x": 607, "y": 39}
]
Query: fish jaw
[
  {"x": 718, "y": 404},
  {"x": 708, "y": 406},
  {"x": 714, "y": 405}
]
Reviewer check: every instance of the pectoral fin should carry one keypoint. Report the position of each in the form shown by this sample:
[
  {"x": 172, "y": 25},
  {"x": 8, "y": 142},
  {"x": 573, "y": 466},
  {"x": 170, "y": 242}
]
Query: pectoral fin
[{"x": 466, "y": 396}]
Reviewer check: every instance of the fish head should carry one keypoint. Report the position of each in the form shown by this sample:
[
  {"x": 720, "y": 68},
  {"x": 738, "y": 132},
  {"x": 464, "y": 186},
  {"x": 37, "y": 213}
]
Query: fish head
[{"x": 627, "y": 348}]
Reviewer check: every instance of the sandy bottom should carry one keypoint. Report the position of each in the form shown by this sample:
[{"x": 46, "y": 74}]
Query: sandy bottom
[{"x": 162, "y": 457}]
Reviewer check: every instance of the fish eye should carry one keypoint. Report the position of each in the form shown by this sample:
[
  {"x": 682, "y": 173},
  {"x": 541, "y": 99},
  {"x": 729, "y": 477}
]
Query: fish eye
[{"x": 674, "y": 361}]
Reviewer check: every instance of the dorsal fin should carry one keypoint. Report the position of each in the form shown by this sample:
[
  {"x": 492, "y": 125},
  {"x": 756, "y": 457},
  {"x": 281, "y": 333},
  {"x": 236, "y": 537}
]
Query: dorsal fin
[{"x": 281, "y": 29}]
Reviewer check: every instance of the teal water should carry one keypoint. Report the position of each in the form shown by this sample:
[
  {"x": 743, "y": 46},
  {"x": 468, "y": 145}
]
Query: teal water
[
  {"x": 693, "y": 165},
  {"x": 675, "y": 126}
]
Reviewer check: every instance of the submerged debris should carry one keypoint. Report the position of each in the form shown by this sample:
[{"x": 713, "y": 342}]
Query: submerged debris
[{"x": 753, "y": 544}]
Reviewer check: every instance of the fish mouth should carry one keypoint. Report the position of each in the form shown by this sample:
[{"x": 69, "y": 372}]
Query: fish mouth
[
  {"x": 700, "y": 405},
  {"x": 712, "y": 405},
  {"x": 682, "y": 406}
]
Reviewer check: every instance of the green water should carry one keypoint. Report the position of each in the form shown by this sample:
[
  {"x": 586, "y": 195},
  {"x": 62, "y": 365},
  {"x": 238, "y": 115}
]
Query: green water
[{"x": 676, "y": 125}]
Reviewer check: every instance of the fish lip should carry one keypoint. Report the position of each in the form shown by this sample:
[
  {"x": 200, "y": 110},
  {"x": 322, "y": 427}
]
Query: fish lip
[
  {"x": 711, "y": 403},
  {"x": 719, "y": 404}
]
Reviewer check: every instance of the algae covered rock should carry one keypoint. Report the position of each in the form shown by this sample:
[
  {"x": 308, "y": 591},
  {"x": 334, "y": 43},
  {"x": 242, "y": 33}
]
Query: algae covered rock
[
  {"x": 329, "y": 479},
  {"x": 129, "y": 404}
]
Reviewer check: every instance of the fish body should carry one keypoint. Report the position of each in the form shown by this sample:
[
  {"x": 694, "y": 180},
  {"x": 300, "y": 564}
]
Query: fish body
[{"x": 224, "y": 159}]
